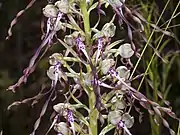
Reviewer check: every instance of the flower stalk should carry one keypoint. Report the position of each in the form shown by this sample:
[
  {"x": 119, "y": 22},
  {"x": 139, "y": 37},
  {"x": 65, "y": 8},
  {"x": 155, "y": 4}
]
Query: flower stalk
[
  {"x": 86, "y": 21},
  {"x": 93, "y": 115}
]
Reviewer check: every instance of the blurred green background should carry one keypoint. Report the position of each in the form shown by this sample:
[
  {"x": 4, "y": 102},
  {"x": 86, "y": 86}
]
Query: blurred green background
[{"x": 16, "y": 52}]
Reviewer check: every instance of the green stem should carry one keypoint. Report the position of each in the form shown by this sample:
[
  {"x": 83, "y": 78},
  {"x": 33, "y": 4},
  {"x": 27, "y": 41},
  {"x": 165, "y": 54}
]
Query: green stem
[
  {"x": 86, "y": 21},
  {"x": 93, "y": 115}
]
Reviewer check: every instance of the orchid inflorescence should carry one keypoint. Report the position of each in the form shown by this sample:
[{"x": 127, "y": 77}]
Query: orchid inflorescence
[{"x": 100, "y": 69}]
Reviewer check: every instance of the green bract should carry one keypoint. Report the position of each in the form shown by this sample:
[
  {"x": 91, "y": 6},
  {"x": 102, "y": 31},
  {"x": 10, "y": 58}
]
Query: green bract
[{"x": 107, "y": 31}]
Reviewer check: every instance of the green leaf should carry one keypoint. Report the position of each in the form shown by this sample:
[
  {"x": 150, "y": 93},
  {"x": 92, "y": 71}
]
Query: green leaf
[{"x": 74, "y": 24}]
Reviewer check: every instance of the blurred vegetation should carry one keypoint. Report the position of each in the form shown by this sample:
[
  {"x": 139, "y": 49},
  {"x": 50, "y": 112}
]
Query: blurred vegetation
[{"x": 16, "y": 52}]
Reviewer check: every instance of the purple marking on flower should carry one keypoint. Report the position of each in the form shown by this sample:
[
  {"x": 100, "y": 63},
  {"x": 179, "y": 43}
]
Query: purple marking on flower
[
  {"x": 100, "y": 45},
  {"x": 59, "y": 16},
  {"x": 81, "y": 47},
  {"x": 57, "y": 65},
  {"x": 56, "y": 73},
  {"x": 48, "y": 25},
  {"x": 96, "y": 81},
  {"x": 122, "y": 125},
  {"x": 113, "y": 73},
  {"x": 56, "y": 117},
  {"x": 71, "y": 120},
  {"x": 80, "y": 44},
  {"x": 70, "y": 116}
]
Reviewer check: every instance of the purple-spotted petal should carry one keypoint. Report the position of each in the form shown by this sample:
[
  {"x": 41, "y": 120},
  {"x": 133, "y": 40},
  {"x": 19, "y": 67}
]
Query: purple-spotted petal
[
  {"x": 70, "y": 116},
  {"x": 71, "y": 120},
  {"x": 81, "y": 47},
  {"x": 100, "y": 45}
]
